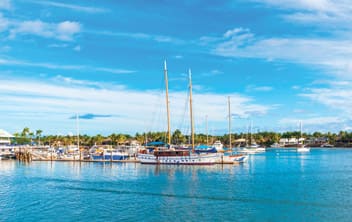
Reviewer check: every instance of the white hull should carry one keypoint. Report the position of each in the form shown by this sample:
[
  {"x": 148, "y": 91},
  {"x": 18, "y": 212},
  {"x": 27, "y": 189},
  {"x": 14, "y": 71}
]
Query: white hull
[
  {"x": 260, "y": 149},
  {"x": 193, "y": 159},
  {"x": 218, "y": 146},
  {"x": 236, "y": 159},
  {"x": 253, "y": 150},
  {"x": 303, "y": 149}
]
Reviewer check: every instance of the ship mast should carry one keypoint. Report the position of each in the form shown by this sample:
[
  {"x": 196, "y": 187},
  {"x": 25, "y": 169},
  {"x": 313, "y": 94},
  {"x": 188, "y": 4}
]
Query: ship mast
[
  {"x": 190, "y": 108},
  {"x": 167, "y": 104},
  {"x": 229, "y": 107},
  {"x": 206, "y": 127},
  {"x": 77, "y": 128}
]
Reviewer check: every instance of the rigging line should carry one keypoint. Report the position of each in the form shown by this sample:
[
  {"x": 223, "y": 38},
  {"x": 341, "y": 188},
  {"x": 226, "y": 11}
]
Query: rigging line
[
  {"x": 157, "y": 107},
  {"x": 182, "y": 126}
]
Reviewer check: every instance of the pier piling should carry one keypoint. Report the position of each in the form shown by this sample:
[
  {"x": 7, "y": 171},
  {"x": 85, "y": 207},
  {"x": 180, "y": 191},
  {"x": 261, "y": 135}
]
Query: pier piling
[{"x": 24, "y": 155}]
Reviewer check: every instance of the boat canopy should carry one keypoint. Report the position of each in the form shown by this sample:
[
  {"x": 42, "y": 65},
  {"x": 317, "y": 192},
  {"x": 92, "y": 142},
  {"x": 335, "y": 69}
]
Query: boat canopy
[{"x": 155, "y": 143}]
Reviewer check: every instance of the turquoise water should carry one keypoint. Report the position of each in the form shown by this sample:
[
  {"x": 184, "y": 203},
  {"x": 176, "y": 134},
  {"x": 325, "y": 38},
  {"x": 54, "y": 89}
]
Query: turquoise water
[{"x": 274, "y": 186}]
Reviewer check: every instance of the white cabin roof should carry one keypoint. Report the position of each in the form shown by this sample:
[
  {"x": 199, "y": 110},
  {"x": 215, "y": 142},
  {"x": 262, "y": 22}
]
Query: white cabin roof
[{"x": 4, "y": 134}]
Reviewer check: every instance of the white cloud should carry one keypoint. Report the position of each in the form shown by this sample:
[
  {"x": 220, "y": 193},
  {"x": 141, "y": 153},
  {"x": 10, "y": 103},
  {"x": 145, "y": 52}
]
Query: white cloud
[
  {"x": 237, "y": 37},
  {"x": 330, "y": 55},
  {"x": 64, "y": 31},
  {"x": 72, "y": 7},
  {"x": 320, "y": 13},
  {"x": 259, "y": 88},
  {"x": 140, "y": 36},
  {"x": 213, "y": 72},
  {"x": 58, "y": 45},
  {"x": 334, "y": 97},
  {"x": 67, "y": 29},
  {"x": 306, "y": 5},
  {"x": 38, "y": 103},
  {"x": 65, "y": 67},
  {"x": 5, "y": 4},
  {"x": 216, "y": 72},
  {"x": 313, "y": 121}
]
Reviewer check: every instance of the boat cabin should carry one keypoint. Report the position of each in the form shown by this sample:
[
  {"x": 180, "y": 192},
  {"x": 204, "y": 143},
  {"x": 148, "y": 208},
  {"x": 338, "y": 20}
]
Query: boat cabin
[{"x": 158, "y": 153}]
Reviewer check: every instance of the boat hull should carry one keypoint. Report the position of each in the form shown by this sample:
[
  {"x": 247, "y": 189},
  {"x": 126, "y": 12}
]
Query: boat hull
[
  {"x": 303, "y": 149},
  {"x": 236, "y": 158},
  {"x": 109, "y": 157},
  {"x": 193, "y": 159}
]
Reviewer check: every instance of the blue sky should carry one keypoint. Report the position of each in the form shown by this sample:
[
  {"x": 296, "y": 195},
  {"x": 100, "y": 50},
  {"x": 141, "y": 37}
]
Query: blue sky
[{"x": 281, "y": 61}]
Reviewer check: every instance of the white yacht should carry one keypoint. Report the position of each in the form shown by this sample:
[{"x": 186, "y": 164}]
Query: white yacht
[
  {"x": 218, "y": 146},
  {"x": 303, "y": 149}
]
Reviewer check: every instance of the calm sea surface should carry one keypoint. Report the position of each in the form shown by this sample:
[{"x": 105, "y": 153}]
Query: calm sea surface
[{"x": 277, "y": 185}]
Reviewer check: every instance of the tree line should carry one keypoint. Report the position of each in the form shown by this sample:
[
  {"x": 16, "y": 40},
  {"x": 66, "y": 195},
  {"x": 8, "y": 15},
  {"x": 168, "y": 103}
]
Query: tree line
[{"x": 26, "y": 136}]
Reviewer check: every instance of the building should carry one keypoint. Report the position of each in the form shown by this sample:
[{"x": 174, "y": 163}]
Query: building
[
  {"x": 291, "y": 141},
  {"x": 5, "y": 138},
  {"x": 317, "y": 141}
]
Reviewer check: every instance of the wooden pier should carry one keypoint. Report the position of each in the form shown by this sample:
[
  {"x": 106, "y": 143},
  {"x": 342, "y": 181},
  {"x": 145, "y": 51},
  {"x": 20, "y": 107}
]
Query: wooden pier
[{"x": 23, "y": 155}]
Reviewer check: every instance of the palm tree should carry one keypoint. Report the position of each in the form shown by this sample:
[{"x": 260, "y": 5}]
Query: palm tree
[
  {"x": 121, "y": 138},
  {"x": 99, "y": 139},
  {"x": 25, "y": 132},
  {"x": 38, "y": 133},
  {"x": 177, "y": 137},
  {"x": 113, "y": 138}
]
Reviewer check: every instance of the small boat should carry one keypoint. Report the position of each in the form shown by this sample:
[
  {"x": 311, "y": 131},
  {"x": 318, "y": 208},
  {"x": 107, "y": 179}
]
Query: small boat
[
  {"x": 233, "y": 157},
  {"x": 327, "y": 145},
  {"x": 239, "y": 158},
  {"x": 70, "y": 156},
  {"x": 253, "y": 149},
  {"x": 218, "y": 146},
  {"x": 260, "y": 149},
  {"x": 303, "y": 149},
  {"x": 275, "y": 145},
  {"x": 108, "y": 154}
]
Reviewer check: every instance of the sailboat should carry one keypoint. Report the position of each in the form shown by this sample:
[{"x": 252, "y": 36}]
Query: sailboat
[
  {"x": 216, "y": 147},
  {"x": 178, "y": 156},
  {"x": 302, "y": 147},
  {"x": 239, "y": 158},
  {"x": 253, "y": 148}
]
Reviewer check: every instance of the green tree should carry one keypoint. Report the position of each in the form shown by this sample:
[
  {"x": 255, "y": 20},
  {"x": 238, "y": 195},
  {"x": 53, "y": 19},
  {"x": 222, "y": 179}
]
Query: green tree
[
  {"x": 177, "y": 137},
  {"x": 38, "y": 134}
]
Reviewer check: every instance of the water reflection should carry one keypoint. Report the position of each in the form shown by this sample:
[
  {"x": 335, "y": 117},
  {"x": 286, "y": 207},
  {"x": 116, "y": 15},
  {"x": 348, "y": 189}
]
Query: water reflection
[{"x": 7, "y": 166}]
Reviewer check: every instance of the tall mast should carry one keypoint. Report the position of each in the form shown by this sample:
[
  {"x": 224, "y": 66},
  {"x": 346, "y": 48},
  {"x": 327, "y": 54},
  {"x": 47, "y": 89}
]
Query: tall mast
[
  {"x": 77, "y": 128},
  {"x": 206, "y": 127},
  {"x": 251, "y": 138},
  {"x": 167, "y": 104},
  {"x": 300, "y": 131},
  {"x": 190, "y": 108},
  {"x": 229, "y": 106}
]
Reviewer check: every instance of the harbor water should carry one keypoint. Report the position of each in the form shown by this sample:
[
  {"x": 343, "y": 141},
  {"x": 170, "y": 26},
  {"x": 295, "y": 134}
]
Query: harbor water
[{"x": 278, "y": 185}]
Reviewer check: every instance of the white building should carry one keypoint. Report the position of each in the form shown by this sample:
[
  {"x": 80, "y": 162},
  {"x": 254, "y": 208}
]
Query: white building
[
  {"x": 5, "y": 138},
  {"x": 290, "y": 141}
]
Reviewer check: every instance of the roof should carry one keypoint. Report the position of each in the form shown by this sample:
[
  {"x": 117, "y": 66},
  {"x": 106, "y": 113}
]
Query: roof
[{"x": 3, "y": 133}]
